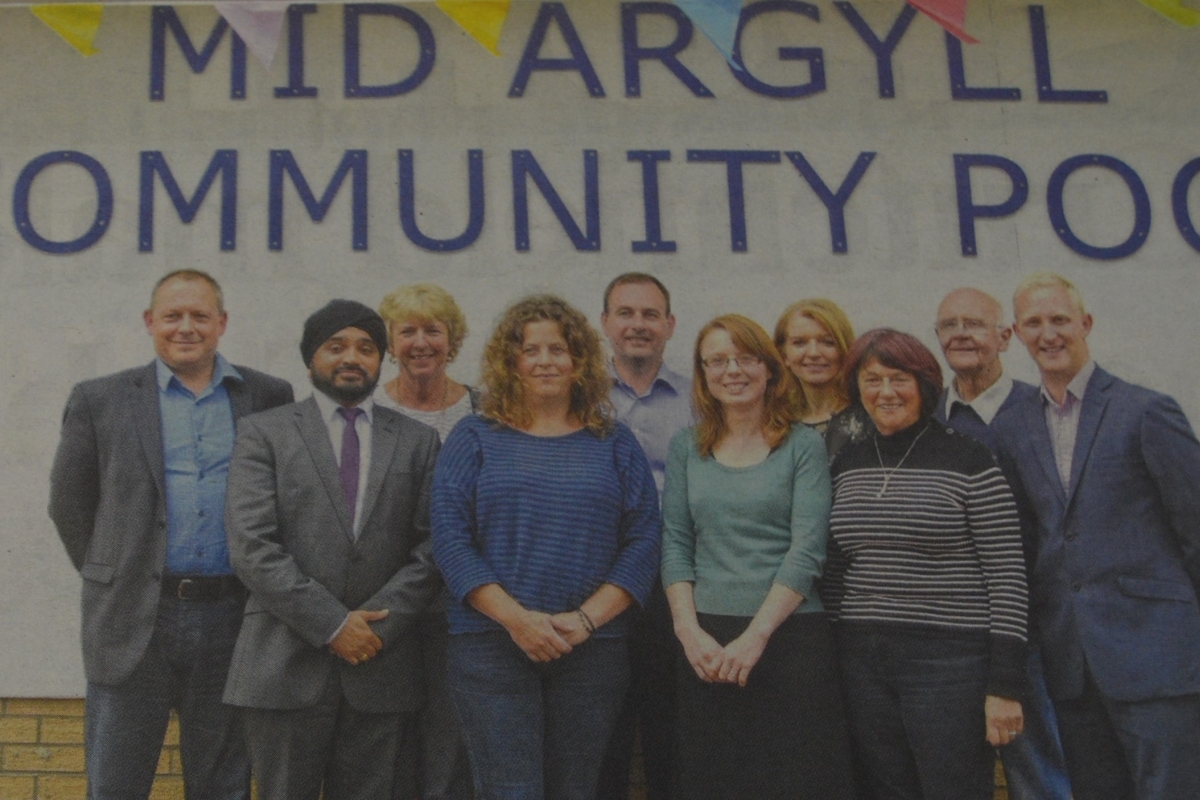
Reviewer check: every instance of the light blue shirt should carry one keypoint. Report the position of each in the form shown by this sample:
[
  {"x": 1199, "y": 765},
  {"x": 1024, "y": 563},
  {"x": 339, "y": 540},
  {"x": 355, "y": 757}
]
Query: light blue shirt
[
  {"x": 197, "y": 436},
  {"x": 656, "y": 416}
]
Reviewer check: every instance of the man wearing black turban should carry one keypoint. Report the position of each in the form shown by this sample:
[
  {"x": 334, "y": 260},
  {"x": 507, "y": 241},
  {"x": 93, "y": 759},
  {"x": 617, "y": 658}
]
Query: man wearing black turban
[{"x": 328, "y": 522}]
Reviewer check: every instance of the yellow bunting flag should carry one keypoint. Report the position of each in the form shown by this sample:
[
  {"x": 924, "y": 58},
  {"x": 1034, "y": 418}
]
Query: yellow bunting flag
[
  {"x": 1175, "y": 11},
  {"x": 482, "y": 19},
  {"x": 76, "y": 23}
]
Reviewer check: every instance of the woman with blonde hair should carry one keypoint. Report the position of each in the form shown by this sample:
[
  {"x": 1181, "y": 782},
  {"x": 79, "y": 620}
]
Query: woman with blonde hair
[
  {"x": 546, "y": 528},
  {"x": 814, "y": 336},
  {"x": 425, "y": 330},
  {"x": 745, "y": 518}
]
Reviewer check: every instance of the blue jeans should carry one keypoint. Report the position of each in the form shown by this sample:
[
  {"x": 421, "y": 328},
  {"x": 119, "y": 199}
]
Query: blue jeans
[
  {"x": 184, "y": 668},
  {"x": 536, "y": 731},
  {"x": 1034, "y": 768},
  {"x": 915, "y": 701}
]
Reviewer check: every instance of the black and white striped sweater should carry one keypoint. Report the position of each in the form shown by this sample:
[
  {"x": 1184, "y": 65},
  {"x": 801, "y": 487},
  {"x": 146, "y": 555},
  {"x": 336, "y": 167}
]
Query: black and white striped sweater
[{"x": 933, "y": 544}]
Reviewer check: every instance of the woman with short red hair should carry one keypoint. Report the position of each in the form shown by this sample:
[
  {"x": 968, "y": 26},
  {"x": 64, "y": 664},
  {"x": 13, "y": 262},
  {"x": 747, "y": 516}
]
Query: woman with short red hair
[{"x": 929, "y": 585}]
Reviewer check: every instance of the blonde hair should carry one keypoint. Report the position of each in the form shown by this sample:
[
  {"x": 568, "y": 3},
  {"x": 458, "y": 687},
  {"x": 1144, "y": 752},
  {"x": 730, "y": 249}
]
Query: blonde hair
[
  {"x": 830, "y": 316},
  {"x": 425, "y": 301},
  {"x": 1049, "y": 280},
  {"x": 504, "y": 398},
  {"x": 780, "y": 408}
]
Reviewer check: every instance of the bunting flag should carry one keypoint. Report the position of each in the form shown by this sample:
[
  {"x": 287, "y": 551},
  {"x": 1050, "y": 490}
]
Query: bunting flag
[
  {"x": 1175, "y": 11},
  {"x": 75, "y": 23},
  {"x": 950, "y": 14},
  {"x": 259, "y": 23},
  {"x": 716, "y": 19},
  {"x": 483, "y": 20}
]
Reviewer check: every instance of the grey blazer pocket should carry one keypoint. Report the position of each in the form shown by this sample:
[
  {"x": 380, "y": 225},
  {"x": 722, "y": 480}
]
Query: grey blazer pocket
[
  {"x": 1154, "y": 589},
  {"x": 100, "y": 573}
]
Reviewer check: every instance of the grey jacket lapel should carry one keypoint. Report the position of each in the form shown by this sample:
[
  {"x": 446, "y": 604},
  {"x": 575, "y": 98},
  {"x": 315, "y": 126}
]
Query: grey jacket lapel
[
  {"x": 385, "y": 436},
  {"x": 147, "y": 420},
  {"x": 315, "y": 435},
  {"x": 241, "y": 399}
]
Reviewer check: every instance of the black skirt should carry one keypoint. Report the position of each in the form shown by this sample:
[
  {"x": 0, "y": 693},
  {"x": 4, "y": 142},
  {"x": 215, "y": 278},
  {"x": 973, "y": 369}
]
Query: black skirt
[{"x": 784, "y": 735}]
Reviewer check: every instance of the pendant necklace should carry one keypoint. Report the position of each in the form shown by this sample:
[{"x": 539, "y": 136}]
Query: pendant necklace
[{"x": 888, "y": 473}]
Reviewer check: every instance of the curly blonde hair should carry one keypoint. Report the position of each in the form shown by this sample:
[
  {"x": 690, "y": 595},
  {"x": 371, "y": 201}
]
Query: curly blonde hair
[
  {"x": 504, "y": 396},
  {"x": 780, "y": 406},
  {"x": 425, "y": 302}
]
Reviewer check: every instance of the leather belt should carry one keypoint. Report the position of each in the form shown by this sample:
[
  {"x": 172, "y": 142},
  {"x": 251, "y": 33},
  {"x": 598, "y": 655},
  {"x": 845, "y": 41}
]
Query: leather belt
[{"x": 201, "y": 588}]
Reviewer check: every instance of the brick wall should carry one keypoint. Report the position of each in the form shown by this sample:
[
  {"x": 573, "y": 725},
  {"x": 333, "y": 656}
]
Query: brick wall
[{"x": 41, "y": 753}]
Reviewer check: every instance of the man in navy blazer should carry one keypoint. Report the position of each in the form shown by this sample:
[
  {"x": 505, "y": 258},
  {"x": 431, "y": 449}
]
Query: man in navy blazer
[
  {"x": 1109, "y": 480},
  {"x": 137, "y": 495},
  {"x": 972, "y": 338}
]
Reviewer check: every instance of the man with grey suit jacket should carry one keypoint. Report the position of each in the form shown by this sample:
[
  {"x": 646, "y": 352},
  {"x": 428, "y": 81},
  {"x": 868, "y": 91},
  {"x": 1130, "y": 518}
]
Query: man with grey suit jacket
[
  {"x": 137, "y": 496},
  {"x": 328, "y": 521}
]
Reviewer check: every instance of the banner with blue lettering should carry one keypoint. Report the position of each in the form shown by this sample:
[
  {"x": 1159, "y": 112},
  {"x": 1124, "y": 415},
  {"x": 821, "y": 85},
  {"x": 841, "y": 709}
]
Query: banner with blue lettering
[{"x": 853, "y": 150}]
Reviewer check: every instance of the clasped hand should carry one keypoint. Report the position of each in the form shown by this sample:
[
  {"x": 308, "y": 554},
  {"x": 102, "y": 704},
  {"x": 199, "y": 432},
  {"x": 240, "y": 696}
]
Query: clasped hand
[
  {"x": 356, "y": 643},
  {"x": 729, "y": 664}
]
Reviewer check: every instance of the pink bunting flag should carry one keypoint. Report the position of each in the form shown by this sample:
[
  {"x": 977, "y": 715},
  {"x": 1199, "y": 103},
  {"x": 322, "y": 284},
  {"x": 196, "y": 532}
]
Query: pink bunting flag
[
  {"x": 950, "y": 14},
  {"x": 259, "y": 23}
]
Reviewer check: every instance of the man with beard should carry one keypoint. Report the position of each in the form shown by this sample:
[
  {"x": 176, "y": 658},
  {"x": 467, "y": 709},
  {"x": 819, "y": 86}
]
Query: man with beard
[{"x": 328, "y": 522}]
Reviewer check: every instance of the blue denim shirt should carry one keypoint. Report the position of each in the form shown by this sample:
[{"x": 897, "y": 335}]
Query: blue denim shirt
[
  {"x": 655, "y": 416},
  {"x": 197, "y": 435}
]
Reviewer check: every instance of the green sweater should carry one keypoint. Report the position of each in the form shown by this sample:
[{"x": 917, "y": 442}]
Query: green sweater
[{"x": 735, "y": 531}]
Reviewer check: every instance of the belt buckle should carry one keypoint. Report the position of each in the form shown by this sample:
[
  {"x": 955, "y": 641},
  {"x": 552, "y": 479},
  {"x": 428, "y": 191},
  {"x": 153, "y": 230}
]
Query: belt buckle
[{"x": 183, "y": 589}]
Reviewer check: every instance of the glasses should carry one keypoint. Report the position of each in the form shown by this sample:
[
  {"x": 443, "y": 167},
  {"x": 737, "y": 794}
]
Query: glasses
[
  {"x": 721, "y": 363},
  {"x": 968, "y": 325}
]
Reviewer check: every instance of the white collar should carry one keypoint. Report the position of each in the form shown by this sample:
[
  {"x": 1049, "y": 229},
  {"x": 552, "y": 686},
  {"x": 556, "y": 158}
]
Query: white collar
[
  {"x": 329, "y": 407},
  {"x": 987, "y": 404}
]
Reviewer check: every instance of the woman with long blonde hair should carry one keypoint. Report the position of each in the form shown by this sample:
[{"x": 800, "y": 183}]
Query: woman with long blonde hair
[{"x": 814, "y": 336}]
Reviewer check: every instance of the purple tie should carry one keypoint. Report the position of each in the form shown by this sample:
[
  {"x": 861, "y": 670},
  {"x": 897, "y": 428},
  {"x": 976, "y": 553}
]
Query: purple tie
[{"x": 349, "y": 467}]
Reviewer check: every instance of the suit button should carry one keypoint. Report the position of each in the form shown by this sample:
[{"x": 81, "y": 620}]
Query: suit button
[
  {"x": 1069, "y": 536},
  {"x": 1076, "y": 586}
]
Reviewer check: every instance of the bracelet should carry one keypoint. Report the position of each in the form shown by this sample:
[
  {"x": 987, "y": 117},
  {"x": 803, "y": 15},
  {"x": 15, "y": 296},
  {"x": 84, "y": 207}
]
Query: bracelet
[{"x": 587, "y": 621}]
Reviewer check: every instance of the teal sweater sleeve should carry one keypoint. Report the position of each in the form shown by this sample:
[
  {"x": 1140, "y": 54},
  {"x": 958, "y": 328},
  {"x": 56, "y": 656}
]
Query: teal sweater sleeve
[
  {"x": 679, "y": 535},
  {"x": 811, "y": 500}
]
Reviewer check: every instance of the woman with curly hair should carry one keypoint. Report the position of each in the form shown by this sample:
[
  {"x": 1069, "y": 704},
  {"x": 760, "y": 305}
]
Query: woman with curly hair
[
  {"x": 546, "y": 528},
  {"x": 745, "y": 518}
]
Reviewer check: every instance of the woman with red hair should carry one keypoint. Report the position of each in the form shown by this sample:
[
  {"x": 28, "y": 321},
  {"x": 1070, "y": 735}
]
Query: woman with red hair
[
  {"x": 745, "y": 518},
  {"x": 928, "y": 584}
]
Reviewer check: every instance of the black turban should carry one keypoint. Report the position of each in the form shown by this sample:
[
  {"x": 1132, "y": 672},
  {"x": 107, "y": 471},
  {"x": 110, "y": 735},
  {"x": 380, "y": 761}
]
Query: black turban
[{"x": 338, "y": 314}]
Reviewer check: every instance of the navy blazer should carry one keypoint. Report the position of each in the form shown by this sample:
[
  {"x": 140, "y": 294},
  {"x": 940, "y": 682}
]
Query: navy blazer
[{"x": 1117, "y": 565}]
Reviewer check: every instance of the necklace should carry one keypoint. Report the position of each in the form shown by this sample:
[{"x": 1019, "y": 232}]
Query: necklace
[{"x": 888, "y": 473}]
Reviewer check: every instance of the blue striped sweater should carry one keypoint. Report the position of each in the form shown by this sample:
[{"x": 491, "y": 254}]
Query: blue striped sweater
[{"x": 548, "y": 518}]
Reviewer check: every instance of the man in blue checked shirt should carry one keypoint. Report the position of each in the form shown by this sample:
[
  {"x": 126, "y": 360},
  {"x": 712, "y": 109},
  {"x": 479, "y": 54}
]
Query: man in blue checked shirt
[
  {"x": 655, "y": 402},
  {"x": 137, "y": 494}
]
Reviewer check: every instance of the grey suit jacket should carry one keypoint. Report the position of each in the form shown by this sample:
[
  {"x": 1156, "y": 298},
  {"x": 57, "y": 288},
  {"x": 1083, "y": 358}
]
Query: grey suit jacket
[
  {"x": 108, "y": 502},
  {"x": 292, "y": 543}
]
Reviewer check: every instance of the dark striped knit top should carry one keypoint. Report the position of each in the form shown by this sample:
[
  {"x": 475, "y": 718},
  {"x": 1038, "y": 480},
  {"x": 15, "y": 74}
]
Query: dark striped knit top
[{"x": 927, "y": 536}]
